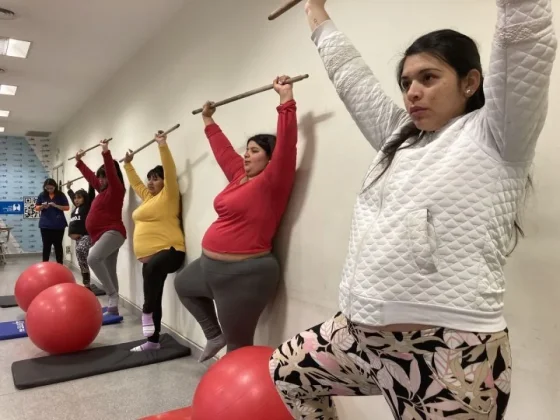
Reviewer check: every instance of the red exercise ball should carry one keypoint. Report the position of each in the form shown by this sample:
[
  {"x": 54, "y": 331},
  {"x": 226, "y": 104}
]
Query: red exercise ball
[
  {"x": 64, "y": 318},
  {"x": 239, "y": 387},
  {"x": 37, "y": 278}
]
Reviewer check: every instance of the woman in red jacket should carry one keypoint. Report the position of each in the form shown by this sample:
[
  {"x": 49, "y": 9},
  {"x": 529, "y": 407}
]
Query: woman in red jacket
[
  {"x": 104, "y": 222},
  {"x": 236, "y": 268}
]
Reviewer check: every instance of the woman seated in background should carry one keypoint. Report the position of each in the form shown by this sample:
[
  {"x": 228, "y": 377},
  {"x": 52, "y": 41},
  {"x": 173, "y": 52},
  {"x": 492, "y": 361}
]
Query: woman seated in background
[
  {"x": 104, "y": 222},
  {"x": 236, "y": 269},
  {"x": 159, "y": 242},
  {"x": 52, "y": 203},
  {"x": 77, "y": 228}
]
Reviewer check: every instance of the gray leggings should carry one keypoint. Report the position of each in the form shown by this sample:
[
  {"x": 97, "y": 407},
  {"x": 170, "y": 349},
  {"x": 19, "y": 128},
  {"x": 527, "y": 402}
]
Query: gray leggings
[
  {"x": 102, "y": 259},
  {"x": 241, "y": 290}
]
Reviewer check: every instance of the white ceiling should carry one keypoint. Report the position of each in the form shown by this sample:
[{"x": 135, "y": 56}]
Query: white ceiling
[{"x": 76, "y": 46}]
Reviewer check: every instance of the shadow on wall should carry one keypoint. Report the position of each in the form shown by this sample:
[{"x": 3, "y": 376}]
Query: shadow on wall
[
  {"x": 186, "y": 199},
  {"x": 272, "y": 322},
  {"x": 134, "y": 271}
]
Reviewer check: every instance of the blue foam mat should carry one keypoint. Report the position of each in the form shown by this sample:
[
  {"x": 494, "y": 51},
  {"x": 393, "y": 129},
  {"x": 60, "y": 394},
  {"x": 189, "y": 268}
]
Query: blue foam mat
[{"x": 16, "y": 329}]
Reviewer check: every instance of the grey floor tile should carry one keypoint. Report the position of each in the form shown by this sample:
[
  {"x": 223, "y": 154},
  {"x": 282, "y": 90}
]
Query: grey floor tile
[{"x": 124, "y": 395}]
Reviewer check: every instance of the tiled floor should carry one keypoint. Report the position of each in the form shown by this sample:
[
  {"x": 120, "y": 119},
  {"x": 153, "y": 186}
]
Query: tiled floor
[{"x": 128, "y": 394}]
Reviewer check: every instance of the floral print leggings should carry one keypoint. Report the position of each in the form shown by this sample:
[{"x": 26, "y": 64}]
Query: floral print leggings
[{"x": 424, "y": 375}]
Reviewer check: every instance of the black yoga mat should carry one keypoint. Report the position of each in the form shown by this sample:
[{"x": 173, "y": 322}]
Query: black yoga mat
[
  {"x": 54, "y": 369},
  {"x": 10, "y": 301}
]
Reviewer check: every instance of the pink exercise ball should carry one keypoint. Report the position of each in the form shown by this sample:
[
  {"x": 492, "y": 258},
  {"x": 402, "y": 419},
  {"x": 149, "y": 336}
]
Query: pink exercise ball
[
  {"x": 239, "y": 387},
  {"x": 37, "y": 278},
  {"x": 64, "y": 318}
]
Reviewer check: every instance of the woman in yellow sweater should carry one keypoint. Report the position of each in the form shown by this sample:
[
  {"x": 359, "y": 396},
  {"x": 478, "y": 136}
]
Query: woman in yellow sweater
[{"x": 159, "y": 243}]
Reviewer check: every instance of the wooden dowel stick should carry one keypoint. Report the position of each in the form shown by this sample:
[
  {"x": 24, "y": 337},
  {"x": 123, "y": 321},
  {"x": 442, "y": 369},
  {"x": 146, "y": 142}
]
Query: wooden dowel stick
[
  {"x": 283, "y": 9},
  {"x": 73, "y": 180},
  {"x": 175, "y": 127},
  {"x": 250, "y": 93},
  {"x": 91, "y": 148}
]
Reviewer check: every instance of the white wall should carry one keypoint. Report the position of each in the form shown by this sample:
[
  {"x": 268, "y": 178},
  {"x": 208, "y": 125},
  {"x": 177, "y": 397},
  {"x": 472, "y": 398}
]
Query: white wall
[{"x": 204, "y": 54}]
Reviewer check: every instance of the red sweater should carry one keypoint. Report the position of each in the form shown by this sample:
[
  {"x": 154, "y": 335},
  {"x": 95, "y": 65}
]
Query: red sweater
[
  {"x": 105, "y": 213},
  {"x": 249, "y": 213}
]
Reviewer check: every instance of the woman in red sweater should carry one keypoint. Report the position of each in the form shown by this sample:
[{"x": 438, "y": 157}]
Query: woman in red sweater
[
  {"x": 237, "y": 270},
  {"x": 104, "y": 222}
]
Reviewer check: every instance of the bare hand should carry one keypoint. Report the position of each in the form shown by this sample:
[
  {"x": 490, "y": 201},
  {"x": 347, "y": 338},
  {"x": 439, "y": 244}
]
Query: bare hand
[
  {"x": 69, "y": 184},
  {"x": 80, "y": 154},
  {"x": 44, "y": 205},
  {"x": 52, "y": 204},
  {"x": 208, "y": 109},
  {"x": 104, "y": 145},
  {"x": 284, "y": 89},
  {"x": 129, "y": 156},
  {"x": 161, "y": 138}
]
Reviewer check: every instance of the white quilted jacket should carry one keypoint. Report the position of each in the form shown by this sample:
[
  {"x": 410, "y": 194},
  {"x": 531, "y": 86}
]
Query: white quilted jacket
[{"x": 429, "y": 239}]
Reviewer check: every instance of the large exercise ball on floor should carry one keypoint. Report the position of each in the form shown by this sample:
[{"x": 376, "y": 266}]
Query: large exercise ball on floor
[
  {"x": 37, "y": 278},
  {"x": 64, "y": 318},
  {"x": 239, "y": 387}
]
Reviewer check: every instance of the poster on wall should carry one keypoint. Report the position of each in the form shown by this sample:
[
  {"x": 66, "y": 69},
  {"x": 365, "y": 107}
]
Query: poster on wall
[
  {"x": 11, "y": 207},
  {"x": 25, "y": 163},
  {"x": 29, "y": 208}
]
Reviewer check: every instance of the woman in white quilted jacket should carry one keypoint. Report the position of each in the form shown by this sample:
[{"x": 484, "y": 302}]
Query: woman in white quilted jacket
[{"x": 422, "y": 290}]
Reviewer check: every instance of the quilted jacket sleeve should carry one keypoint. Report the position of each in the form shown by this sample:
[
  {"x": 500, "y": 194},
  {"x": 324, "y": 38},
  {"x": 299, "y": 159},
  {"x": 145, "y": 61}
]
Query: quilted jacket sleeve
[
  {"x": 516, "y": 87},
  {"x": 374, "y": 112}
]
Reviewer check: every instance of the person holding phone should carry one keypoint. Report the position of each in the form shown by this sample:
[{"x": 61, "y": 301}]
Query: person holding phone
[{"x": 52, "y": 203}]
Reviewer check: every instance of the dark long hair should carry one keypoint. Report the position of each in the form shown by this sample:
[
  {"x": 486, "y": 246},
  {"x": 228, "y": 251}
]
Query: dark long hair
[
  {"x": 101, "y": 171},
  {"x": 157, "y": 171},
  {"x": 266, "y": 141},
  {"x": 53, "y": 183},
  {"x": 461, "y": 53},
  {"x": 87, "y": 196}
]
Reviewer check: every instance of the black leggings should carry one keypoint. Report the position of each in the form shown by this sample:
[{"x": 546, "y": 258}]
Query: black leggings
[
  {"x": 155, "y": 272},
  {"x": 53, "y": 237}
]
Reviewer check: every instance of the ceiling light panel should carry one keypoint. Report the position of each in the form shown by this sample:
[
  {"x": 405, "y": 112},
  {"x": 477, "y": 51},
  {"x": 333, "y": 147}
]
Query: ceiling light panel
[
  {"x": 1, "y": 129},
  {"x": 8, "y": 90},
  {"x": 14, "y": 47},
  {"x": 4, "y": 113}
]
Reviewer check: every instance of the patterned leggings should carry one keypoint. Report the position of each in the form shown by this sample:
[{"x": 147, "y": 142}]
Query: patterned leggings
[
  {"x": 424, "y": 375},
  {"x": 82, "y": 251}
]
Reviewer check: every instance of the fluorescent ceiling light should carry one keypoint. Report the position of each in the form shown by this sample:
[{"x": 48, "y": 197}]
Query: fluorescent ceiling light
[
  {"x": 14, "y": 47},
  {"x": 8, "y": 90},
  {"x": 4, "y": 113},
  {"x": 1, "y": 129}
]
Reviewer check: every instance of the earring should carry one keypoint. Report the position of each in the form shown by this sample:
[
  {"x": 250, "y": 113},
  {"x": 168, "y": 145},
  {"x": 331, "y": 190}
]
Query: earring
[{"x": 468, "y": 92}]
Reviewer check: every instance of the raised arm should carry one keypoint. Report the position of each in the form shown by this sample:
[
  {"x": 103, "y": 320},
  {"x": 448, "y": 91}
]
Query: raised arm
[
  {"x": 136, "y": 183},
  {"x": 282, "y": 167},
  {"x": 516, "y": 87},
  {"x": 171, "y": 184},
  {"x": 71, "y": 194},
  {"x": 226, "y": 156},
  {"x": 375, "y": 113},
  {"x": 113, "y": 181},
  {"x": 88, "y": 175}
]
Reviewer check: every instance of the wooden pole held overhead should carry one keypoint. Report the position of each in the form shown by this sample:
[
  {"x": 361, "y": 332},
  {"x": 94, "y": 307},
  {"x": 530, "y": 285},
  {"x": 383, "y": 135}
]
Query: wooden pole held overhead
[
  {"x": 283, "y": 9},
  {"x": 251, "y": 93},
  {"x": 175, "y": 127},
  {"x": 91, "y": 148}
]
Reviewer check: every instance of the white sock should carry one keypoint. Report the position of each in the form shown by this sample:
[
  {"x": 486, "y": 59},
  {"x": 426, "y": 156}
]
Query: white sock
[{"x": 114, "y": 300}]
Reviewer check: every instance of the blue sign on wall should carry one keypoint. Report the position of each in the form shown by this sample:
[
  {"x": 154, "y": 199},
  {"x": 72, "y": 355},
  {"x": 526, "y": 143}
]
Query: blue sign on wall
[{"x": 11, "y": 207}]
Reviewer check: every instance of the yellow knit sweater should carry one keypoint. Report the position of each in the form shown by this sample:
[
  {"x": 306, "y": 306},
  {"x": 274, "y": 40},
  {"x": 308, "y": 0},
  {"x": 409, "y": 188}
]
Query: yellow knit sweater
[{"x": 157, "y": 222}]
